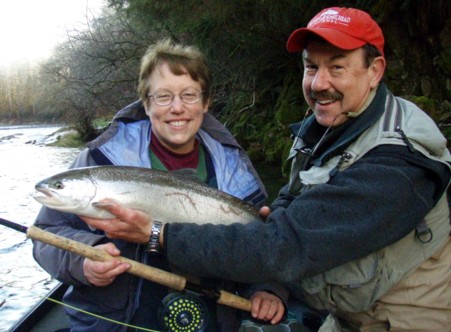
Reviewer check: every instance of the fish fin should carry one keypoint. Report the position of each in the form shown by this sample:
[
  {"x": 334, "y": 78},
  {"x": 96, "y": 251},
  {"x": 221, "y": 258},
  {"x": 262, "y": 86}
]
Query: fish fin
[{"x": 101, "y": 205}]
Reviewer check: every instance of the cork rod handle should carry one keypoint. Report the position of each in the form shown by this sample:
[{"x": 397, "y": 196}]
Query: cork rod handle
[{"x": 159, "y": 276}]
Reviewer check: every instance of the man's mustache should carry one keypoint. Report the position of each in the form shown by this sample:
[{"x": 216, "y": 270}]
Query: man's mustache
[{"x": 326, "y": 95}]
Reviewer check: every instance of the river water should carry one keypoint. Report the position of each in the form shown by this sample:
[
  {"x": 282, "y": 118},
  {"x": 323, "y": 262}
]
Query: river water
[{"x": 24, "y": 159}]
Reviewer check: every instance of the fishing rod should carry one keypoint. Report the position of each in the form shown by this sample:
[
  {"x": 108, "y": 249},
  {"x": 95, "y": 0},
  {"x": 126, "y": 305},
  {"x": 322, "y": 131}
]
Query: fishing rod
[{"x": 171, "y": 280}]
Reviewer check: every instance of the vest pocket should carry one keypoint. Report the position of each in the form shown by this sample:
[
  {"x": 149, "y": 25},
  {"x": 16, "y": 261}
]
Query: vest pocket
[{"x": 350, "y": 287}]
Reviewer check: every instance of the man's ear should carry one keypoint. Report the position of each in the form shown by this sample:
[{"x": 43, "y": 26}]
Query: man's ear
[{"x": 377, "y": 69}]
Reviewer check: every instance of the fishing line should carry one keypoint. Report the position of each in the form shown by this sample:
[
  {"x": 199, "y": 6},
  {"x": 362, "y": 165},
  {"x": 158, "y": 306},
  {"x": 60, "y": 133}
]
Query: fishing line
[{"x": 101, "y": 317}]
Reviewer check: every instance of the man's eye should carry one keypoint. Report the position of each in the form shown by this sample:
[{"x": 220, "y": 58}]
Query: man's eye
[{"x": 310, "y": 67}]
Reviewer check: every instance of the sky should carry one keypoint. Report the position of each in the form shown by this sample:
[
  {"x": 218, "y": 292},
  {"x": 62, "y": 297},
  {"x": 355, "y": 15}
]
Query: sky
[{"x": 29, "y": 29}]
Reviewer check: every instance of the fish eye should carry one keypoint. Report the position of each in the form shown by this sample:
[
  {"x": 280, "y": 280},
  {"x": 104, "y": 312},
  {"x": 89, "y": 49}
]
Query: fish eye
[{"x": 59, "y": 185}]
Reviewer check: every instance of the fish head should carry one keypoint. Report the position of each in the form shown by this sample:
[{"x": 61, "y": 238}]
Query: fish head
[{"x": 69, "y": 191}]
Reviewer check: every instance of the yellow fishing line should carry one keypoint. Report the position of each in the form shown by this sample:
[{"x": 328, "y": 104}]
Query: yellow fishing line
[{"x": 101, "y": 317}]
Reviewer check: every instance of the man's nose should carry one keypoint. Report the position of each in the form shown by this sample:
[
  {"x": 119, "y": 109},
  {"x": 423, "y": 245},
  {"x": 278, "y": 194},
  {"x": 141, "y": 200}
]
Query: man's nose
[{"x": 321, "y": 81}]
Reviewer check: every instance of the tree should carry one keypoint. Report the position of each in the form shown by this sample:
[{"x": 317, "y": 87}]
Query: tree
[
  {"x": 257, "y": 83},
  {"x": 18, "y": 88},
  {"x": 95, "y": 71}
]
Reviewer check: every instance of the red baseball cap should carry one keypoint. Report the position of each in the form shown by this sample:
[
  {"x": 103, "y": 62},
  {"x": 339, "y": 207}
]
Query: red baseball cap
[{"x": 345, "y": 28}]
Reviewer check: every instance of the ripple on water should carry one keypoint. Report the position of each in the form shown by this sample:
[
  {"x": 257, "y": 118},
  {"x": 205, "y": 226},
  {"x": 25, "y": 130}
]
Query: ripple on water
[{"x": 22, "y": 282}]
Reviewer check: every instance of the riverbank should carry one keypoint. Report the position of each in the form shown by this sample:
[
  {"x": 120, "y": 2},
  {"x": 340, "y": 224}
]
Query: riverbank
[
  {"x": 65, "y": 137},
  {"x": 61, "y": 137}
]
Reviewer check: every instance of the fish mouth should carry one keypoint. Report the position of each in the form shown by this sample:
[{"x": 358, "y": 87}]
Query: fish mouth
[{"x": 47, "y": 197}]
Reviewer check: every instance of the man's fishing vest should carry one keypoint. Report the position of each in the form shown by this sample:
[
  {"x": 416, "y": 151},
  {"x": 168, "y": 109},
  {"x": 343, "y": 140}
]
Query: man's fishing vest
[{"x": 383, "y": 288}]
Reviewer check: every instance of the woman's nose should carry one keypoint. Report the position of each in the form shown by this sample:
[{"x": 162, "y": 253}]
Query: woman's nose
[{"x": 177, "y": 103}]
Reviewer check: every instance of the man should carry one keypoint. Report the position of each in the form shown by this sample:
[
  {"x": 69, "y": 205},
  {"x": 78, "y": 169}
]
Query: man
[{"x": 362, "y": 228}]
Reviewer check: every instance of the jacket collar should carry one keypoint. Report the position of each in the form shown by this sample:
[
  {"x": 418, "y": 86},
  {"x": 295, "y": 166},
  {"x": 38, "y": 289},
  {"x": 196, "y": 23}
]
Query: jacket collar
[{"x": 136, "y": 112}]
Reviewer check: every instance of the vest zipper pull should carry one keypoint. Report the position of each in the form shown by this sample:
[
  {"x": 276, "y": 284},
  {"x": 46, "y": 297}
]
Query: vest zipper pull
[
  {"x": 344, "y": 157},
  {"x": 405, "y": 139}
]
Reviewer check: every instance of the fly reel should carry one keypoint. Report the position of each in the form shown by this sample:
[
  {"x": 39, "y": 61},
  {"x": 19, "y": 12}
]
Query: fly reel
[{"x": 180, "y": 312}]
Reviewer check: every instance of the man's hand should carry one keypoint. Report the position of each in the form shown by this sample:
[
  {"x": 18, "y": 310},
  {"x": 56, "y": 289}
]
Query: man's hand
[
  {"x": 129, "y": 225},
  {"x": 267, "y": 307},
  {"x": 103, "y": 273}
]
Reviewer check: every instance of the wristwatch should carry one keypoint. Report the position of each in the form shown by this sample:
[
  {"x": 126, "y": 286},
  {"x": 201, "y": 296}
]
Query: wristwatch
[{"x": 154, "y": 240}]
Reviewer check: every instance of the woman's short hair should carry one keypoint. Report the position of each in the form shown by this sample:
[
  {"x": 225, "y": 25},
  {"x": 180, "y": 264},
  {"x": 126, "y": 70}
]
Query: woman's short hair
[{"x": 181, "y": 59}]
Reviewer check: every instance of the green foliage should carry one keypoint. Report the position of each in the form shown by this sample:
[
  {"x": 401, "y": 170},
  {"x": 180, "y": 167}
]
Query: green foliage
[
  {"x": 101, "y": 123},
  {"x": 257, "y": 83},
  {"x": 446, "y": 129},
  {"x": 290, "y": 104},
  {"x": 426, "y": 104},
  {"x": 69, "y": 140},
  {"x": 273, "y": 179},
  {"x": 439, "y": 111}
]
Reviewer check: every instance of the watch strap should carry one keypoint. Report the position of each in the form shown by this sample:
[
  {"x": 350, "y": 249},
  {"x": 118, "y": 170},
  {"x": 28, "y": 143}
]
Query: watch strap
[{"x": 154, "y": 239}]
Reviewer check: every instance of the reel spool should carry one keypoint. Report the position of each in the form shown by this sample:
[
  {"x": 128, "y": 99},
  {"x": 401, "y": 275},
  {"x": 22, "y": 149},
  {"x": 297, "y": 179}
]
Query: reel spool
[{"x": 180, "y": 312}]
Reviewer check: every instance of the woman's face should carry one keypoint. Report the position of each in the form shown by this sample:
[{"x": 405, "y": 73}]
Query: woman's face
[{"x": 175, "y": 125}]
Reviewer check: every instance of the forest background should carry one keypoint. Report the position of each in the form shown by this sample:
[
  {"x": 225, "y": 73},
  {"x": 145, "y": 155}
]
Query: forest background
[{"x": 257, "y": 84}]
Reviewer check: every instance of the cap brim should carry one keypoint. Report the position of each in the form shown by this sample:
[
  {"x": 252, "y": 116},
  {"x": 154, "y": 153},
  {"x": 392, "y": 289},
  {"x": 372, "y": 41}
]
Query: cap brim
[{"x": 297, "y": 41}]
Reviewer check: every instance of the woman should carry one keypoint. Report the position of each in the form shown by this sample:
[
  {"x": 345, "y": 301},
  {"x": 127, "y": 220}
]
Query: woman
[{"x": 168, "y": 129}]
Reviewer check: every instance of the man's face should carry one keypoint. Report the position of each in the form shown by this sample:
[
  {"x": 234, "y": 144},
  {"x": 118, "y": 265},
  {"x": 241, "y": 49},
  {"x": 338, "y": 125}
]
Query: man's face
[{"x": 336, "y": 81}]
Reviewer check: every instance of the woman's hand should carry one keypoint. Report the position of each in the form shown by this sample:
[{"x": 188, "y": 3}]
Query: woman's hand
[
  {"x": 264, "y": 211},
  {"x": 267, "y": 307},
  {"x": 103, "y": 273}
]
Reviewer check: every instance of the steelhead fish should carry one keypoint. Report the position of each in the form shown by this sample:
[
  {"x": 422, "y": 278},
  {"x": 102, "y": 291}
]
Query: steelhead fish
[{"x": 166, "y": 197}]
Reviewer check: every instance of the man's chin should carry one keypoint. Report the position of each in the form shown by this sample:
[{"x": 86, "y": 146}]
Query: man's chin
[{"x": 331, "y": 121}]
